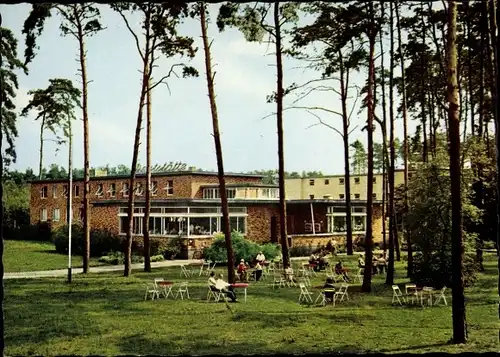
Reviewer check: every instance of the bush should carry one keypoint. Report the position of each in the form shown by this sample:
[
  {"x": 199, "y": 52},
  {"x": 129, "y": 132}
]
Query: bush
[
  {"x": 489, "y": 244},
  {"x": 301, "y": 251},
  {"x": 36, "y": 232},
  {"x": 167, "y": 247},
  {"x": 101, "y": 241},
  {"x": 116, "y": 258},
  {"x": 242, "y": 249}
]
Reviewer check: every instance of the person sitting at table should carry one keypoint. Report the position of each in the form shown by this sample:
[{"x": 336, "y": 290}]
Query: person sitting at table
[
  {"x": 226, "y": 288},
  {"x": 257, "y": 273},
  {"x": 340, "y": 270},
  {"x": 260, "y": 258},
  {"x": 212, "y": 282},
  {"x": 329, "y": 286},
  {"x": 323, "y": 263},
  {"x": 289, "y": 274},
  {"x": 381, "y": 264},
  {"x": 242, "y": 270}
]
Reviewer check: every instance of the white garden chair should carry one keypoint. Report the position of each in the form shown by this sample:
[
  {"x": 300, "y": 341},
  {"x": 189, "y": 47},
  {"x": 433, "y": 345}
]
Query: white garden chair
[
  {"x": 166, "y": 290},
  {"x": 151, "y": 289},
  {"x": 305, "y": 279},
  {"x": 185, "y": 272},
  {"x": 428, "y": 292},
  {"x": 279, "y": 280},
  {"x": 215, "y": 294},
  {"x": 441, "y": 296},
  {"x": 341, "y": 294},
  {"x": 305, "y": 295},
  {"x": 397, "y": 294},
  {"x": 183, "y": 289},
  {"x": 411, "y": 292},
  {"x": 322, "y": 296}
]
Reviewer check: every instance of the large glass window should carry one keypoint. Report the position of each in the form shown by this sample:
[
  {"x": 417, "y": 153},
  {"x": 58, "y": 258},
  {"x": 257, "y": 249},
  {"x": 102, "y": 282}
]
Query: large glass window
[
  {"x": 199, "y": 226},
  {"x": 358, "y": 223},
  {"x": 337, "y": 222},
  {"x": 155, "y": 225}
]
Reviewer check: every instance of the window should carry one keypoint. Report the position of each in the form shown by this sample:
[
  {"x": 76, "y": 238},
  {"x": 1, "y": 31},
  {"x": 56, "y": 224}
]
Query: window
[
  {"x": 56, "y": 217},
  {"x": 210, "y": 193},
  {"x": 44, "y": 192},
  {"x": 270, "y": 193},
  {"x": 341, "y": 181},
  {"x": 311, "y": 197},
  {"x": 54, "y": 191},
  {"x": 374, "y": 180},
  {"x": 154, "y": 188},
  {"x": 356, "y": 196},
  {"x": 341, "y": 196},
  {"x": 43, "y": 215},
  {"x": 65, "y": 190},
  {"x": 374, "y": 196},
  {"x": 125, "y": 189},
  {"x": 356, "y": 180},
  {"x": 112, "y": 190},
  {"x": 76, "y": 190},
  {"x": 359, "y": 223},
  {"x": 139, "y": 189},
  {"x": 327, "y": 182},
  {"x": 231, "y": 192},
  {"x": 170, "y": 187},
  {"x": 311, "y": 182},
  {"x": 100, "y": 190}
]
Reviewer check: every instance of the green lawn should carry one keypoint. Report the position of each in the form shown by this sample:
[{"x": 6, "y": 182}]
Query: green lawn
[
  {"x": 105, "y": 314},
  {"x": 21, "y": 256}
]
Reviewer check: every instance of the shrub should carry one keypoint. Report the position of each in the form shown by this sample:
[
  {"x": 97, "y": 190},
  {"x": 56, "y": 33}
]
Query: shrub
[
  {"x": 301, "y": 251},
  {"x": 115, "y": 258},
  {"x": 489, "y": 244},
  {"x": 101, "y": 241},
  {"x": 242, "y": 249},
  {"x": 36, "y": 232}
]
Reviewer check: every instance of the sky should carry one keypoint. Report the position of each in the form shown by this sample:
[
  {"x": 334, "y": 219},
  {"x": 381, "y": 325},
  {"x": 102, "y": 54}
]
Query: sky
[{"x": 182, "y": 124}]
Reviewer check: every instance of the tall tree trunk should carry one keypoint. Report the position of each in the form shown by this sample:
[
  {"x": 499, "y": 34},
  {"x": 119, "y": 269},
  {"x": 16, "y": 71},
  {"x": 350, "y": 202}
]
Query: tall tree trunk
[
  {"x": 405, "y": 144},
  {"x": 218, "y": 146},
  {"x": 367, "y": 279},
  {"x": 2, "y": 322},
  {"x": 40, "y": 160},
  {"x": 470, "y": 68},
  {"x": 345, "y": 138},
  {"x": 423, "y": 62},
  {"x": 281, "y": 155},
  {"x": 458, "y": 298},
  {"x": 484, "y": 30},
  {"x": 147, "y": 208},
  {"x": 392, "y": 223},
  {"x": 384, "y": 138},
  {"x": 86, "y": 145},
  {"x": 133, "y": 170}
]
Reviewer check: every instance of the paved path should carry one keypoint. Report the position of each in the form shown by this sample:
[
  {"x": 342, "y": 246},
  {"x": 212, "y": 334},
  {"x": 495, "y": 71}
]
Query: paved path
[{"x": 109, "y": 268}]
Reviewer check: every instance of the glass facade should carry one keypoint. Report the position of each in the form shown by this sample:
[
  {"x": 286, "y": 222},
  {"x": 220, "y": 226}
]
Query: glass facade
[
  {"x": 185, "y": 221},
  {"x": 337, "y": 222}
]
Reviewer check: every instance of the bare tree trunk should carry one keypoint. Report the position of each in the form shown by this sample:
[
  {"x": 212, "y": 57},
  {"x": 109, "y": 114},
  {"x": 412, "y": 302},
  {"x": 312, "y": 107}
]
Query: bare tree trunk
[
  {"x": 484, "y": 29},
  {"x": 425, "y": 152},
  {"x": 2, "y": 322},
  {"x": 405, "y": 143},
  {"x": 147, "y": 208},
  {"x": 133, "y": 170},
  {"x": 367, "y": 279},
  {"x": 281, "y": 155},
  {"x": 218, "y": 146},
  {"x": 345, "y": 137},
  {"x": 458, "y": 299},
  {"x": 86, "y": 145},
  {"x": 40, "y": 160},
  {"x": 392, "y": 224},
  {"x": 383, "y": 126}
]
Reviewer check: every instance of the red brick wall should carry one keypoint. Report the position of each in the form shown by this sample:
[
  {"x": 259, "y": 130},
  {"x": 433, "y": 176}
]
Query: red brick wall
[
  {"x": 259, "y": 222},
  {"x": 199, "y": 181},
  {"x": 298, "y": 213}
]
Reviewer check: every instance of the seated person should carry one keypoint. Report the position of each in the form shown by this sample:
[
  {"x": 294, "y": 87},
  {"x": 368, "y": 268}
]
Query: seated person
[
  {"x": 329, "y": 286},
  {"x": 374, "y": 265},
  {"x": 260, "y": 258},
  {"x": 212, "y": 282},
  {"x": 257, "y": 273},
  {"x": 381, "y": 264},
  {"x": 289, "y": 274},
  {"x": 242, "y": 270},
  {"x": 226, "y": 288},
  {"x": 313, "y": 259},
  {"x": 361, "y": 261},
  {"x": 340, "y": 270},
  {"x": 323, "y": 263}
]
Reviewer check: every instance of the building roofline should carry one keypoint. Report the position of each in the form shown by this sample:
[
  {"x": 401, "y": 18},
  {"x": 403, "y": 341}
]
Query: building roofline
[
  {"x": 340, "y": 175},
  {"x": 155, "y": 174},
  {"x": 249, "y": 184}
]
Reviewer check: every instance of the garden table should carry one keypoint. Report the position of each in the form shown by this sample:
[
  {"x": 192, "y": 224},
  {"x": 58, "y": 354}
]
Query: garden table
[
  {"x": 241, "y": 286},
  {"x": 166, "y": 287}
]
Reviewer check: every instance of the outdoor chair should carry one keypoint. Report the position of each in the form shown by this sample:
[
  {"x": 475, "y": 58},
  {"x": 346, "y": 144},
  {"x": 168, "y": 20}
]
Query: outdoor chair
[
  {"x": 411, "y": 292},
  {"x": 153, "y": 290},
  {"x": 215, "y": 294},
  {"x": 184, "y": 272},
  {"x": 397, "y": 294},
  {"x": 441, "y": 296},
  {"x": 360, "y": 274},
  {"x": 305, "y": 280},
  {"x": 305, "y": 295},
  {"x": 166, "y": 290},
  {"x": 427, "y": 292},
  {"x": 279, "y": 281},
  {"x": 322, "y": 296},
  {"x": 183, "y": 289},
  {"x": 341, "y": 294}
]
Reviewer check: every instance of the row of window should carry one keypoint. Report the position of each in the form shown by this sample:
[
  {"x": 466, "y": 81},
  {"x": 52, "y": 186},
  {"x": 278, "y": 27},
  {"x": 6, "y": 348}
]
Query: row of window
[
  {"x": 191, "y": 226},
  {"x": 357, "y": 180},
  {"x": 112, "y": 190},
  {"x": 214, "y": 193},
  {"x": 357, "y": 196}
]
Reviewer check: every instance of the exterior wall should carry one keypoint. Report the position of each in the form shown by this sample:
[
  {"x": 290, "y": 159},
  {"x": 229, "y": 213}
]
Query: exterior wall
[
  {"x": 259, "y": 222},
  {"x": 105, "y": 217},
  {"x": 197, "y": 182},
  {"x": 298, "y": 214},
  {"x": 330, "y": 185}
]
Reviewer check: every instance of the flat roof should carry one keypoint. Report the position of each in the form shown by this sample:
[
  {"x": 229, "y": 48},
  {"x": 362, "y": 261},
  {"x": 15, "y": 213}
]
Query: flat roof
[
  {"x": 248, "y": 184},
  {"x": 155, "y": 174},
  {"x": 341, "y": 175}
]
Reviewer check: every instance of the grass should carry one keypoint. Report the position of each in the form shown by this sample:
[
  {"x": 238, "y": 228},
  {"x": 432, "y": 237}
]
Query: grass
[
  {"x": 33, "y": 256},
  {"x": 104, "y": 314}
]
